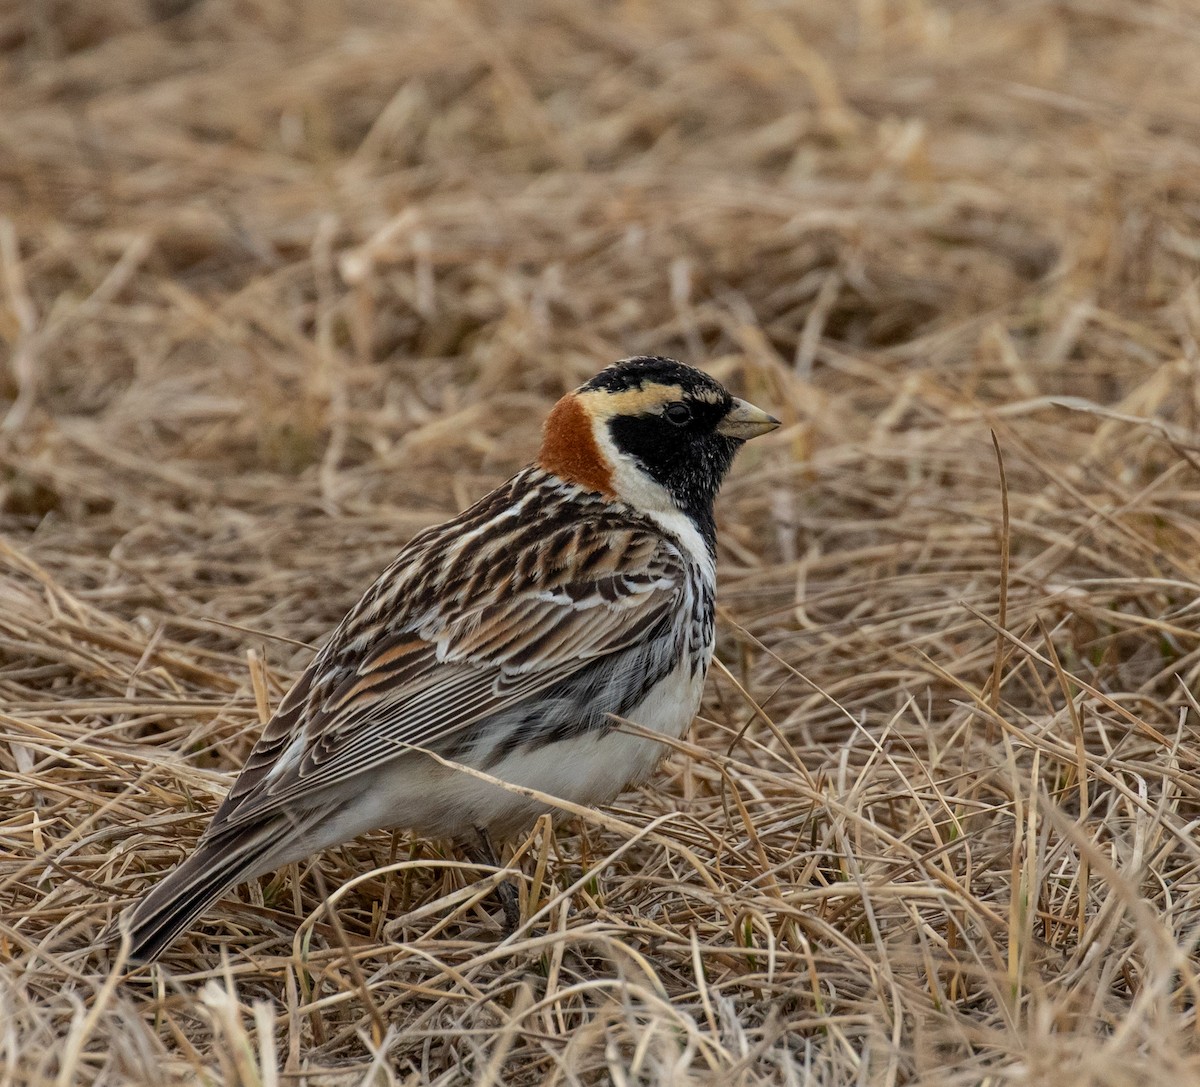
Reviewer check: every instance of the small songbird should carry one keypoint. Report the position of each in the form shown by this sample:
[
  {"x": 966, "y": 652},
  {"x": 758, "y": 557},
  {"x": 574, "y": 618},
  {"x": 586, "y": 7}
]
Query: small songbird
[{"x": 506, "y": 640}]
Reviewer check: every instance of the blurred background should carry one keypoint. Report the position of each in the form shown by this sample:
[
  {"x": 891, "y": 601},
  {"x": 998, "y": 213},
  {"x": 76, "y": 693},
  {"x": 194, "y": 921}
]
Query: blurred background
[
  {"x": 283, "y": 282},
  {"x": 312, "y": 253}
]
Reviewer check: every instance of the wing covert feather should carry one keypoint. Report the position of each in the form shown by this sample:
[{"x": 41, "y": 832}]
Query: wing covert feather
[{"x": 450, "y": 635}]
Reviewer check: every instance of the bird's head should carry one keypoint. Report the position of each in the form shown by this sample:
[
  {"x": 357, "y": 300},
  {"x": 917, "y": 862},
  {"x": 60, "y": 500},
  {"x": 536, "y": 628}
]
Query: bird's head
[{"x": 650, "y": 432}]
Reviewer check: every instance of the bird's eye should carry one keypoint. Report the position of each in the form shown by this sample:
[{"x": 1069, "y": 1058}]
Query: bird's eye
[{"x": 678, "y": 413}]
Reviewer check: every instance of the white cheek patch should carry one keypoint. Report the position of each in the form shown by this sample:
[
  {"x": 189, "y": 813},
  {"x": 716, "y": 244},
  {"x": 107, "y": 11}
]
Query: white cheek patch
[
  {"x": 637, "y": 489},
  {"x": 630, "y": 483}
]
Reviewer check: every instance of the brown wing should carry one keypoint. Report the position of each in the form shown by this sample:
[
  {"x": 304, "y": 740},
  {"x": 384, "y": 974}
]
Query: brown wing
[{"x": 452, "y": 634}]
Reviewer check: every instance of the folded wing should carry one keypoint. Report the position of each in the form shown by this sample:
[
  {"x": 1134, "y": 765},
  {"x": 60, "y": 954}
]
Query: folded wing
[{"x": 423, "y": 675}]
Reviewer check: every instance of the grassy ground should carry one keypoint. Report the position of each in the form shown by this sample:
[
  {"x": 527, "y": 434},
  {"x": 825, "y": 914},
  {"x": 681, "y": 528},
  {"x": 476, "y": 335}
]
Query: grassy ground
[{"x": 282, "y": 282}]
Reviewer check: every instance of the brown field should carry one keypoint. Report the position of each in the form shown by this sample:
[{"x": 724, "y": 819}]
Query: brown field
[{"x": 282, "y": 282}]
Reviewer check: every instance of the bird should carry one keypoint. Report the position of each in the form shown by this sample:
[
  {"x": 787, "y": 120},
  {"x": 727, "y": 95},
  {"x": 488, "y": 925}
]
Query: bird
[{"x": 512, "y": 639}]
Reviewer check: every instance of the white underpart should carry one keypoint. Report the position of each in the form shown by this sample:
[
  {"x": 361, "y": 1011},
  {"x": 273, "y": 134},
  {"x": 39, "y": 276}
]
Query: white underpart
[
  {"x": 439, "y": 801},
  {"x": 590, "y": 769}
]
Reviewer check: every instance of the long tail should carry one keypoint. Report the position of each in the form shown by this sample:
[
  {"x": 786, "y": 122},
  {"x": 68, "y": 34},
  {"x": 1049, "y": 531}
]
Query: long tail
[{"x": 218, "y": 864}]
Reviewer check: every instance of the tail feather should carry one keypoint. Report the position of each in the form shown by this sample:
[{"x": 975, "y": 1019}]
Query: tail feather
[{"x": 184, "y": 894}]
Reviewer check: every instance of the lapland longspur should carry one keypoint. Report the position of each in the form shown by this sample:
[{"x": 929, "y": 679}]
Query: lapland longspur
[{"x": 506, "y": 640}]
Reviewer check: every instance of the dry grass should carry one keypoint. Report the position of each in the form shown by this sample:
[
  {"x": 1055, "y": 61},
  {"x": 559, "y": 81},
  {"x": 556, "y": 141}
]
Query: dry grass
[{"x": 282, "y": 282}]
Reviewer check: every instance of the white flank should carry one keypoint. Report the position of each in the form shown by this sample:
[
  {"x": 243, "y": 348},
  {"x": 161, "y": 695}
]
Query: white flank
[{"x": 439, "y": 802}]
